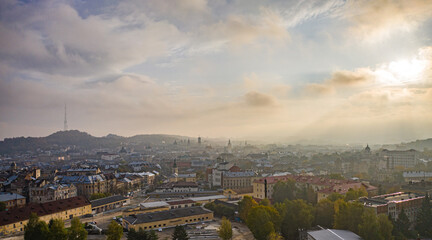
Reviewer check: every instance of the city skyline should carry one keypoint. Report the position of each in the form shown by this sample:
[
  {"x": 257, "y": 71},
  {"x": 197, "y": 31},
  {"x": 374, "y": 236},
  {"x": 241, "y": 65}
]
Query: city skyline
[{"x": 335, "y": 71}]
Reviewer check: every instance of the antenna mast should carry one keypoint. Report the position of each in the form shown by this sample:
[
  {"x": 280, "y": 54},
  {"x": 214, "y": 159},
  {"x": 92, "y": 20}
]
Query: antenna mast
[{"x": 65, "y": 128}]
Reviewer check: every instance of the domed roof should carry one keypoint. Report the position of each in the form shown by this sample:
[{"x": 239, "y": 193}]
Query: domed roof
[{"x": 367, "y": 149}]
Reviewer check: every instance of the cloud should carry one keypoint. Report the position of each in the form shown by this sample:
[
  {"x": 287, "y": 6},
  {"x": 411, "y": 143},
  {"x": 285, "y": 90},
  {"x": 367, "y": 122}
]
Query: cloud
[
  {"x": 349, "y": 78},
  {"x": 375, "y": 20},
  {"x": 77, "y": 46},
  {"x": 313, "y": 89},
  {"x": 256, "y": 99}
]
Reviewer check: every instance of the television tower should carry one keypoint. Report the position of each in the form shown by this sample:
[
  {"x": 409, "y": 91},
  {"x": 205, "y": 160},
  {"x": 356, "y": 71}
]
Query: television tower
[{"x": 65, "y": 127}]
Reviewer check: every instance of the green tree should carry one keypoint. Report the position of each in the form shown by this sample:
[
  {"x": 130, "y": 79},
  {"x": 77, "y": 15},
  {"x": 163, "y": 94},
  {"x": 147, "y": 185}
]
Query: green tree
[
  {"x": 297, "y": 216},
  {"x": 424, "y": 219},
  {"x": 347, "y": 215},
  {"x": 225, "y": 229},
  {"x": 2, "y": 206},
  {"x": 265, "y": 202},
  {"x": 57, "y": 230},
  {"x": 152, "y": 235},
  {"x": 263, "y": 220},
  {"x": 180, "y": 233},
  {"x": 284, "y": 190},
  {"x": 324, "y": 213},
  {"x": 335, "y": 196},
  {"x": 274, "y": 236},
  {"x": 385, "y": 226},
  {"x": 354, "y": 194},
  {"x": 133, "y": 234},
  {"x": 36, "y": 229},
  {"x": 402, "y": 225},
  {"x": 77, "y": 231},
  {"x": 115, "y": 231},
  {"x": 245, "y": 205},
  {"x": 369, "y": 228}
]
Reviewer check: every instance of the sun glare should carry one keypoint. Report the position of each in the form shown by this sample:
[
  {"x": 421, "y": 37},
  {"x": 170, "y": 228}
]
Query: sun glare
[{"x": 402, "y": 71}]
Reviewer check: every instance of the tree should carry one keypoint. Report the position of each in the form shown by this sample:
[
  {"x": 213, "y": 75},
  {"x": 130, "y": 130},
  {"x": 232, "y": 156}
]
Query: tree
[
  {"x": 274, "y": 236},
  {"x": 265, "y": 202},
  {"x": 77, "y": 231},
  {"x": 2, "y": 206},
  {"x": 245, "y": 205},
  {"x": 57, "y": 230},
  {"x": 368, "y": 228},
  {"x": 354, "y": 194},
  {"x": 115, "y": 231},
  {"x": 284, "y": 190},
  {"x": 298, "y": 215},
  {"x": 180, "y": 233},
  {"x": 152, "y": 235},
  {"x": 335, "y": 196},
  {"x": 402, "y": 225},
  {"x": 36, "y": 229},
  {"x": 347, "y": 215},
  {"x": 263, "y": 220},
  {"x": 424, "y": 218},
  {"x": 385, "y": 226},
  {"x": 324, "y": 213},
  {"x": 225, "y": 230}
]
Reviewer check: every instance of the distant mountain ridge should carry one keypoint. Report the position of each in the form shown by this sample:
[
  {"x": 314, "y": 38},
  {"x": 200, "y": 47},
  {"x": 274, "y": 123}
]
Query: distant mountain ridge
[{"x": 82, "y": 140}]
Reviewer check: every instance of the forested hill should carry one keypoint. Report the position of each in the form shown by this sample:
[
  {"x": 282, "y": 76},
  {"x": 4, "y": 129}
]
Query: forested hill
[{"x": 81, "y": 140}]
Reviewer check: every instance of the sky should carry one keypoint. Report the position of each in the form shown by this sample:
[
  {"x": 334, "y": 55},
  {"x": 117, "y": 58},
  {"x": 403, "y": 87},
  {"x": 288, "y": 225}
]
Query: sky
[{"x": 280, "y": 71}]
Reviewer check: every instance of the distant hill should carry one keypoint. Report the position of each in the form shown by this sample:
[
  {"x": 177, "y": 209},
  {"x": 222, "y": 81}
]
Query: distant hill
[
  {"x": 418, "y": 145},
  {"x": 81, "y": 140}
]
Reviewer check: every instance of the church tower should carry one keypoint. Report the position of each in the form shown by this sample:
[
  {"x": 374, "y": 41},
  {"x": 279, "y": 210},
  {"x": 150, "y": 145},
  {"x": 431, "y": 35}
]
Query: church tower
[{"x": 175, "y": 168}]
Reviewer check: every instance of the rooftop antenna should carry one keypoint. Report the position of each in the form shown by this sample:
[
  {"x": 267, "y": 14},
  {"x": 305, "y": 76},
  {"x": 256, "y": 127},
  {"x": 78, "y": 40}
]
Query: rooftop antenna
[{"x": 65, "y": 127}]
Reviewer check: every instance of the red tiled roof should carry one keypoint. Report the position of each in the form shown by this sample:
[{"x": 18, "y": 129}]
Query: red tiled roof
[{"x": 22, "y": 214}]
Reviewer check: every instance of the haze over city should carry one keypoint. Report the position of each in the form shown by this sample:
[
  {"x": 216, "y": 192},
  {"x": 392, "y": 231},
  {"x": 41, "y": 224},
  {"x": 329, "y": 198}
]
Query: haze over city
[{"x": 325, "y": 71}]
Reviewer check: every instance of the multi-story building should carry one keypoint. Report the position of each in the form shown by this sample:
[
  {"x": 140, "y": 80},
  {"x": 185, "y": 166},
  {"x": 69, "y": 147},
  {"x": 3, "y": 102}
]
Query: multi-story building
[
  {"x": 417, "y": 176},
  {"x": 87, "y": 185},
  {"x": 177, "y": 187},
  {"x": 237, "y": 180},
  {"x": 51, "y": 192},
  {"x": 393, "y": 203},
  {"x": 14, "y": 220},
  {"x": 12, "y": 200},
  {"x": 401, "y": 159},
  {"x": 263, "y": 187}
]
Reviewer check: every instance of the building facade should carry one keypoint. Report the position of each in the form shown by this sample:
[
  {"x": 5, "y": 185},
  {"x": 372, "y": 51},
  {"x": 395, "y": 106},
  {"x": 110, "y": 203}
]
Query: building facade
[
  {"x": 392, "y": 204},
  {"x": 14, "y": 220}
]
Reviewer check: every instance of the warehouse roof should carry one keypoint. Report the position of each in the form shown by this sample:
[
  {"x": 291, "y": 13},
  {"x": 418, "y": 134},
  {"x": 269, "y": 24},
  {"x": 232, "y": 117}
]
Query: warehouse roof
[{"x": 166, "y": 215}]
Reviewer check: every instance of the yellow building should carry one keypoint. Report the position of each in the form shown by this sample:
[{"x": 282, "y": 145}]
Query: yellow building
[
  {"x": 14, "y": 220},
  {"x": 166, "y": 219}
]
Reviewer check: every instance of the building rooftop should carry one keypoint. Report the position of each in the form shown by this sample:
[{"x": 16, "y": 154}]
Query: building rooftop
[
  {"x": 239, "y": 174},
  {"x": 177, "y": 202},
  {"x": 166, "y": 215},
  {"x": 206, "y": 198},
  {"x": 42, "y": 209},
  {"x": 107, "y": 200},
  {"x": 392, "y": 197},
  {"x": 333, "y": 234},
  {"x": 154, "y": 204},
  {"x": 6, "y": 196}
]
